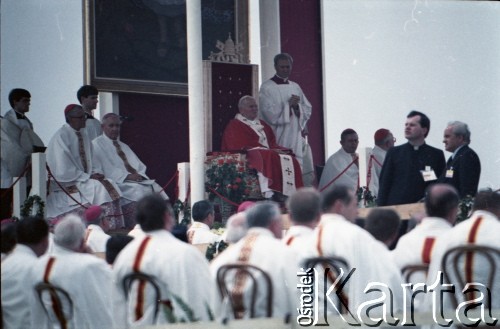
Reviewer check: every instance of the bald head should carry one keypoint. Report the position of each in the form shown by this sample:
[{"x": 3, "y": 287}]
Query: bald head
[
  {"x": 441, "y": 200},
  {"x": 305, "y": 207}
]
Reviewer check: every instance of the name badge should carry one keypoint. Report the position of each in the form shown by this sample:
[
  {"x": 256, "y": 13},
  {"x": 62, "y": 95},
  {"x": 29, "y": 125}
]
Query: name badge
[
  {"x": 449, "y": 173},
  {"x": 428, "y": 175}
]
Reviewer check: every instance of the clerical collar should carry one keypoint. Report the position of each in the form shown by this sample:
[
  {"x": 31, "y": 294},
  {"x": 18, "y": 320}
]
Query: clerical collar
[
  {"x": 416, "y": 147},
  {"x": 20, "y": 115},
  {"x": 280, "y": 80}
]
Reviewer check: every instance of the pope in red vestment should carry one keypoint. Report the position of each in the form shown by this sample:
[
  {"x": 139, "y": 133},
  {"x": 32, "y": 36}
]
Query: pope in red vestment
[{"x": 279, "y": 168}]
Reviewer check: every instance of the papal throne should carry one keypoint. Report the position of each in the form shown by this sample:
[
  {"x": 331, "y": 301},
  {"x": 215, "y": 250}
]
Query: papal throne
[{"x": 224, "y": 85}]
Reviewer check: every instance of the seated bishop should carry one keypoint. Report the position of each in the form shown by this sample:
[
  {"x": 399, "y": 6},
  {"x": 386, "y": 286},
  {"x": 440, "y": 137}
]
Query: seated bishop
[
  {"x": 76, "y": 183},
  {"x": 117, "y": 161},
  {"x": 277, "y": 167}
]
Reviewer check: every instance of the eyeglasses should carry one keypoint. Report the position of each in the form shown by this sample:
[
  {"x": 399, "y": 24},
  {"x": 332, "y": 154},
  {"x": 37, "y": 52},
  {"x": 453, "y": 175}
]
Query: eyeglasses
[{"x": 80, "y": 117}]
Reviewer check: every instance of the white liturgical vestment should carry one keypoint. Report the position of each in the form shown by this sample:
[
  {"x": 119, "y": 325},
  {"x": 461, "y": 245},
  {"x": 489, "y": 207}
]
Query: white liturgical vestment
[
  {"x": 275, "y": 110},
  {"x": 107, "y": 161},
  {"x": 87, "y": 280},
  {"x": 181, "y": 273},
  {"x": 95, "y": 238},
  {"x": 17, "y": 139},
  {"x": 93, "y": 128},
  {"x": 66, "y": 164},
  {"x": 480, "y": 229},
  {"x": 417, "y": 247},
  {"x": 199, "y": 232},
  {"x": 335, "y": 165},
  {"x": 260, "y": 248},
  {"x": 16, "y": 269},
  {"x": 335, "y": 236},
  {"x": 375, "y": 168}
]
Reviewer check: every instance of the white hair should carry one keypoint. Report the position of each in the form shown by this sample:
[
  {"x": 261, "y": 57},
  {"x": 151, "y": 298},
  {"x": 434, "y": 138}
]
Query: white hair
[
  {"x": 236, "y": 227},
  {"x": 69, "y": 232}
]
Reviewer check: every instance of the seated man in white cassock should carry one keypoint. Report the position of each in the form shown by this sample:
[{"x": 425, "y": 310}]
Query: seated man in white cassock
[
  {"x": 117, "y": 161},
  {"x": 76, "y": 184},
  {"x": 260, "y": 247},
  {"x": 277, "y": 168}
]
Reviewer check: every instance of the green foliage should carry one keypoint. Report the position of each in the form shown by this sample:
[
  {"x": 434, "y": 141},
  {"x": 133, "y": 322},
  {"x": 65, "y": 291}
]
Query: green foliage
[
  {"x": 214, "y": 248},
  {"x": 464, "y": 208},
  {"x": 184, "y": 207},
  {"x": 26, "y": 209},
  {"x": 365, "y": 195},
  {"x": 226, "y": 176}
]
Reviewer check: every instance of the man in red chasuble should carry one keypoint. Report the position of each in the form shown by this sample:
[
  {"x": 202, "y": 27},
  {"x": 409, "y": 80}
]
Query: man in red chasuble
[{"x": 278, "y": 169}]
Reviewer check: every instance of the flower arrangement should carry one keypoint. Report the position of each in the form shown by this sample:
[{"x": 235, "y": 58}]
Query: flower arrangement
[
  {"x": 365, "y": 197},
  {"x": 225, "y": 177}
]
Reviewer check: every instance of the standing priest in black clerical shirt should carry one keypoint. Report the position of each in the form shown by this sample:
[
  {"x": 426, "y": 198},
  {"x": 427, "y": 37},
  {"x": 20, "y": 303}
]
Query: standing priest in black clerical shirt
[
  {"x": 409, "y": 168},
  {"x": 463, "y": 167}
]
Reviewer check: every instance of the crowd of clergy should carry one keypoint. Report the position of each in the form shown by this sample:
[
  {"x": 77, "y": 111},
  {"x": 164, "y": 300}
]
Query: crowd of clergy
[
  {"x": 150, "y": 272},
  {"x": 105, "y": 293}
]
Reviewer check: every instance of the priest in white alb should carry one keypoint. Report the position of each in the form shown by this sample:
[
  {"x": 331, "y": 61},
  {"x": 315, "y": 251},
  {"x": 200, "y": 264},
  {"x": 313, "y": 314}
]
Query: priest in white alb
[
  {"x": 75, "y": 183},
  {"x": 342, "y": 167},
  {"x": 117, "y": 161},
  {"x": 285, "y": 107}
]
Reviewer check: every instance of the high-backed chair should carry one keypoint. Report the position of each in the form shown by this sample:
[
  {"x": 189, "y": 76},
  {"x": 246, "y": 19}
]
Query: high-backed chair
[
  {"x": 143, "y": 279},
  {"x": 461, "y": 275},
  {"x": 241, "y": 274},
  {"x": 335, "y": 265},
  {"x": 56, "y": 303}
]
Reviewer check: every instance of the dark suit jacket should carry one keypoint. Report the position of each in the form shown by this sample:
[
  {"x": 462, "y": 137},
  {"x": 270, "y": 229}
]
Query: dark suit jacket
[
  {"x": 466, "y": 171},
  {"x": 401, "y": 181}
]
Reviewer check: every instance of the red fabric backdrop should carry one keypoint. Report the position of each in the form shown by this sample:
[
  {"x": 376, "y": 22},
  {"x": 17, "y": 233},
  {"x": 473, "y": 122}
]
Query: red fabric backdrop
[
  {"x": 158, "y": 133},
  {"x": 301, "y": 38}
]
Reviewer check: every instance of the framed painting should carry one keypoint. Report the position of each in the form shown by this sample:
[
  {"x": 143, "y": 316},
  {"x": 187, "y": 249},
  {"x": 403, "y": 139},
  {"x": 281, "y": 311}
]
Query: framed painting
[{"x": 140, "y": 46}]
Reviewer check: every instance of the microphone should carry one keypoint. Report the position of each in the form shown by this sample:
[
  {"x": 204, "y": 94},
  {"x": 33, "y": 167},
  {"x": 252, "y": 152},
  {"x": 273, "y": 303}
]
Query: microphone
[{"x": 126, "y": 118}]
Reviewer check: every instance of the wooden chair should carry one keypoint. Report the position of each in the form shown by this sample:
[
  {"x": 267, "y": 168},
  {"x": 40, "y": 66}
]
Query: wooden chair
[
  {"x": 335, "y": 266},
  {"x": 245, "y": 272},
  {"x": 452, "y": 270},
  {"x": 55, "y": 309},
  {"x": 409, "y": 270},
  {"x": 129, "y": 279}
]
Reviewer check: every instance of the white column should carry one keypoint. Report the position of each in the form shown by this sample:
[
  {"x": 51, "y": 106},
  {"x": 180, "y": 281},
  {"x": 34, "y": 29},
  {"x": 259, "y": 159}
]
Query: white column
[
  {"x": 183, "y": 183},
  {"x": 108, "y": 103},
  {"x": 196, "y": 109},
  {"x": 270, "y": 39},
  {"x": 18, "y": 196},
  {"x": 38, "y": 176}
]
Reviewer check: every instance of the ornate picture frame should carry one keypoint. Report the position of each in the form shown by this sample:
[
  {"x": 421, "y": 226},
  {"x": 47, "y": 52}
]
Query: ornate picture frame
[{"x": 139, "y": 46}]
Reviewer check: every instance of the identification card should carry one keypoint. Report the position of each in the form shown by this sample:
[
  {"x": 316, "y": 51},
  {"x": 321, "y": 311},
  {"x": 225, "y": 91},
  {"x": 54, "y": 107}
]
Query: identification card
[
  {"x": 449, "y": 173},
  {"x": 428, "y": 175}
]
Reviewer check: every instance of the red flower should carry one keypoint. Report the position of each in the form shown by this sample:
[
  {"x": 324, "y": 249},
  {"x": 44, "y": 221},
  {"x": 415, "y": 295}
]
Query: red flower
[
  {"x": 220, "y": 162},
  {"x": 237, "y": 180},
  {"x": 235, "y": 186}
]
